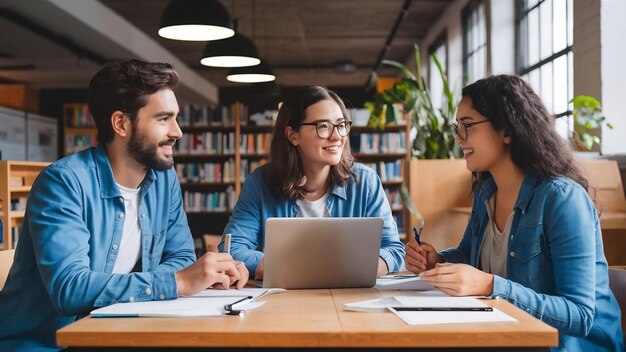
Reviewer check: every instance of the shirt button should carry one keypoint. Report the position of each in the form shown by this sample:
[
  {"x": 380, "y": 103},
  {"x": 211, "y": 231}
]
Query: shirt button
[
  {"x": 143, "y": 216},
  {"x": 148, "y": 291},
  {"x": 121, "y": 200},
  {"x": 511, "y": 237},
  {"x": 131, "y": 299},
  {"x": 121, "y": 215},
  {"x": 150, "y": 255},
  {"x": 512, "y": 254},
  {"x": 162, "y": 296},
  {"x": 114, "y": 247}
]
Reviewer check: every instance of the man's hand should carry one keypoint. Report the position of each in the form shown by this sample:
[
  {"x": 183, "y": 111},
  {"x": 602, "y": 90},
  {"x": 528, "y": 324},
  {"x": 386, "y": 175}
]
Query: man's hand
[
  {"x": 210, "y": 269},
  {"x": 459, "y": 280}
]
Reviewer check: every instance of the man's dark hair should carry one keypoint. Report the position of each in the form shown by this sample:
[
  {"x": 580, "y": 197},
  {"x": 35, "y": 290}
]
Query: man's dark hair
[{"x": 125, "y": 86}]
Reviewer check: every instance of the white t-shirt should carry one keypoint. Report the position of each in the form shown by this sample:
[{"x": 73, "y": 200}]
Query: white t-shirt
[
  {"x": 314, "y": 209},
  {"x": 129, "y": 249},
  {"x": 494, "y": 252}
]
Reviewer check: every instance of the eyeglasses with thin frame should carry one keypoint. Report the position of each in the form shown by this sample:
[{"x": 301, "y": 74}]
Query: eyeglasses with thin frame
[
  {"x": 462, "y": 132},
  {"x": 324, "y": 129}
]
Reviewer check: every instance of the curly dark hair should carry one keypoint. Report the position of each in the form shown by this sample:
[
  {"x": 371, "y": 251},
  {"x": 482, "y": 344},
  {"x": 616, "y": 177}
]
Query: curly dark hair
[
  {"x": 536, "y": 148},
  {"x": 285, "y": 161},
  {"x": 125, "y": 86}
]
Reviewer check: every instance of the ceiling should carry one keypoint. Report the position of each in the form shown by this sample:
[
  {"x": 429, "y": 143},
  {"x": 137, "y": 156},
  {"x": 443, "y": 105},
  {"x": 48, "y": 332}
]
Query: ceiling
[{"x": 304, "y": 41}]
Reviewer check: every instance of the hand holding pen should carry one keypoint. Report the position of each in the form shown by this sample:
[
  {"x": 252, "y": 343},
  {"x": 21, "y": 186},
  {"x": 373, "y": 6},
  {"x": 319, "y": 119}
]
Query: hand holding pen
[{"x": 420, "y": 256}]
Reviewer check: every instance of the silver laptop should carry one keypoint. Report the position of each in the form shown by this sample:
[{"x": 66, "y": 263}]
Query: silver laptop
[{"x": 321, "y": 252}]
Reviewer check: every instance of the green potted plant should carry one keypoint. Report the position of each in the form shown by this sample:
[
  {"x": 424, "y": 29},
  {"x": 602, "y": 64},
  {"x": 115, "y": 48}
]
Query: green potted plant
[
  {"x": 588, "y": 116},
  {"x": 432, "y": 186}
]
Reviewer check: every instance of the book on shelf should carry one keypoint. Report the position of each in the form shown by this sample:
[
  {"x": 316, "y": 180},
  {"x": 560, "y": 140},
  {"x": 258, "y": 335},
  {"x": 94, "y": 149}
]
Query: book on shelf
[
  {"x": 378, "y": 143},
  {"x": 248, "y": 166},
  {"x": 209, "y": 201},
  {"x": 212, "y": 143},
  {"x": 255, "y": 143},
  {"x": 205, "y": 116},
  {"x": 18, "y": 204},
  {"x": 15, "y": 233},
  {"x": 388, "y": 171},
  {"x": 393, "y": 196},
  {"x": 206, "y": 172},
  {"x": 77, "y": 116}
]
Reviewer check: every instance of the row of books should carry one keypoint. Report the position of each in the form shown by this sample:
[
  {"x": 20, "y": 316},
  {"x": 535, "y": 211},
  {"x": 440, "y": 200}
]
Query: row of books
[
  {"x": 377, "y": 143},
  {"x": 215, "y": 143},
  {"x": 393, "y": 196},
  {"x": 77, "y": 116},
  {"x": 212, "y": 202},
  {"x": 249, "y": 165},
  {"x": 15, "y": 235},
  {"x": 206, "y": 172},
  {"x": 204, "y": 116},
  {"x": 18, "y": 204},
  {"x": 77, "y": 142},
  {"x": 252, "y": 143},
  {"x": 389, "y": 171}
]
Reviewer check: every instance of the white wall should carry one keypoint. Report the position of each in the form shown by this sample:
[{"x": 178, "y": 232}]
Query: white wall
[{"x": 613, "y": 78}]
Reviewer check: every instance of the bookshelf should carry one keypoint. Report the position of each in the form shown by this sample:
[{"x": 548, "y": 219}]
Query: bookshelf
[
  {"x": 218, "y": 150},
  {"x": 16, "y": 179},
  {"x": 79, "y": 130},
  {"x": 388, "y": 152}
]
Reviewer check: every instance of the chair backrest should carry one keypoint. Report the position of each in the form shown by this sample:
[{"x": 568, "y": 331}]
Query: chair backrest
[
  {"x": 617, "y": 281},
  {"x": 605, "y": 184},
  {"x": 6, "y": 260}
]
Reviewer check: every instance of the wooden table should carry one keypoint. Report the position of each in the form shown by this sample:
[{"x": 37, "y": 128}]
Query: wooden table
[{"x": 309, "y": 318}]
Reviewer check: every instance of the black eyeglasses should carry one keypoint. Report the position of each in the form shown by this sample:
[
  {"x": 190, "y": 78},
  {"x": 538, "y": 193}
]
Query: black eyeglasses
[
  {"x": 462, "y": 132},
  {"x": 324, "y": 129}
]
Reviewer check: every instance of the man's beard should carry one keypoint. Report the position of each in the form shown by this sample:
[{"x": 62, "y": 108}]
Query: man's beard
[{"x": 146, "y": 154}]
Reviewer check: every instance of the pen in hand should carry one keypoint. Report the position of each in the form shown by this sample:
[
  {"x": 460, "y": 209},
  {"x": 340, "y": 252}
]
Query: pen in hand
[
  {"x": 418, "y": 233},
  {"x": 227, "y": 243}
]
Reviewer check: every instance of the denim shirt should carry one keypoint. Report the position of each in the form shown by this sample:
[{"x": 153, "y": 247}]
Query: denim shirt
[
  {"x": 556, "y": 267},
  {"x": 69, "y": 243},
  {"x": 363, "y": 196}
]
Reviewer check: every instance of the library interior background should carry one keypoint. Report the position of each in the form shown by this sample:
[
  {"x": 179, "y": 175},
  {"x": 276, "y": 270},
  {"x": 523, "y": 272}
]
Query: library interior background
[{"x": 565, "y": 49}]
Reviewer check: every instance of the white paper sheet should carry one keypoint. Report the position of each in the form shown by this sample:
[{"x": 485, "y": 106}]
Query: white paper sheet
[
  {"x": 204, "y": 304},
  {"x": 403, "y": 282}
]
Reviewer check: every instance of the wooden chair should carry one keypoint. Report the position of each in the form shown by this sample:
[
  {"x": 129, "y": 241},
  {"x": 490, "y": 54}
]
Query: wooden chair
[
  {"x": 6, "y": 260},
  {"x": 605, "y": 187},
  {"x": 617, "y": 281}
]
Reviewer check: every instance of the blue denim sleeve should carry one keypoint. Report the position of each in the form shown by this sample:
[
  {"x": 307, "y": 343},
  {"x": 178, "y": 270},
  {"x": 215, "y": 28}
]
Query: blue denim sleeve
[
  {"x": 61, "y": 244},
  {"x": 391, "y": 248},
  {"x": 244, "y": 224},
  {"x": 570, "y": 222},
  {"x": 178, "y": 252}
]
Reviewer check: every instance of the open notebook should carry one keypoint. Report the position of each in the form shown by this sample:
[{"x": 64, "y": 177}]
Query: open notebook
[{"x": 204, "y": 304}]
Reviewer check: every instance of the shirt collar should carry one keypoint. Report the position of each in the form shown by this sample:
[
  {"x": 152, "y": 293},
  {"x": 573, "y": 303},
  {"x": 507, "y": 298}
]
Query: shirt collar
[
  {"x": 529, "y": 184},
  {"x": 108, "y": 187}
]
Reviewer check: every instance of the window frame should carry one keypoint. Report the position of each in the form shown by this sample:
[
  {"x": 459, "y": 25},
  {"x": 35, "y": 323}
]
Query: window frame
[{"x": 466, "y": 13}]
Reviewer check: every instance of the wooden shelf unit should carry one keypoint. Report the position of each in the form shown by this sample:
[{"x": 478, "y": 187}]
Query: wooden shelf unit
[
  {"x": 16, "y": 179},
  {"x": 392, "y": 183},
  {"x": 79, "y": 129}
]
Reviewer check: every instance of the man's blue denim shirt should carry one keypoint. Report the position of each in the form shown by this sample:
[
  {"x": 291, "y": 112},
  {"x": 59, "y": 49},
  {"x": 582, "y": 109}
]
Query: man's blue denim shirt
[
  {"x": 363, "y": 196},
  {"x": 70, "y": 240},
  {"x": 556, "y": 267}
]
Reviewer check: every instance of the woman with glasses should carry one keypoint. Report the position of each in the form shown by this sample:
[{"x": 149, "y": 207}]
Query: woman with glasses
[
  {"x": 311, "y": 173},
  {"x": 533, "y": 237}
]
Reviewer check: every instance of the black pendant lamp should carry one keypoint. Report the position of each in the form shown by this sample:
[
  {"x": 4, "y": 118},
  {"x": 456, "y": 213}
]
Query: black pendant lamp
[
  {"x": 196, "y": 20},
  {"x": 236, "y": 51},
  {"x": 251, "y": 74}
]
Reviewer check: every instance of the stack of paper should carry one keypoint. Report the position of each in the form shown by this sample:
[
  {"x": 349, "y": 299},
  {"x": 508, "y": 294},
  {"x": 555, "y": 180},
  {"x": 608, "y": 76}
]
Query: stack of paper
[
  {"x": 429, "y": 308},
  {"x": 204, "y": 304},
  {"x": 403, "y": 282}
]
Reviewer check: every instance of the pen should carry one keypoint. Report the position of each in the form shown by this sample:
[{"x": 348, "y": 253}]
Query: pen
[
  {"x": 418, "y": 233},
  {"x": 227, "y": 243},
  {"x": 442, "y": 309},
  {"x": 229, "y": 307}
]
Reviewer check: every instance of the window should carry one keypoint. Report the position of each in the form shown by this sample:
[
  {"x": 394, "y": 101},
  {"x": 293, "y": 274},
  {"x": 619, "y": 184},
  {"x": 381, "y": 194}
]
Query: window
[
  {"x": 474, "y": 42},
  {"x": 544, "y": 54},
  {"x": 434, "y": 78}
]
